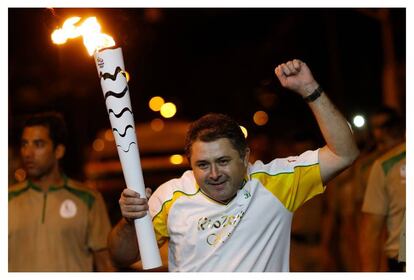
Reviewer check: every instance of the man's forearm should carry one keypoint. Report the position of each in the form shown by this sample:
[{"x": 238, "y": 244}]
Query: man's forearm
[
  {"x": 102, "y": 261},
  {"x": 123, "y": 245},
  {"x": 370, "y": 243},
  {"x": 340, "y": 150},
  {"x": 334, "y": 128}
]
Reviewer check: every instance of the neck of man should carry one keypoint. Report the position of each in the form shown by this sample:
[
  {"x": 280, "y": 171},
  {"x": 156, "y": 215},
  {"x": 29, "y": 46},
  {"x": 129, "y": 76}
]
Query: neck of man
[
  {"x": 389, "y": 143},
  {"x": 52, "y": 178}
]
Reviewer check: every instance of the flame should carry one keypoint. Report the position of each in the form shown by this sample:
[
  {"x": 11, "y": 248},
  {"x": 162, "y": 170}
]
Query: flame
[{"x": 90, "y": 30}]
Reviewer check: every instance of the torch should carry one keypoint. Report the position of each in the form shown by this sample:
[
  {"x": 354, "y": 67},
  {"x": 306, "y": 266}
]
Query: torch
[{"x": 111, "y": 70}]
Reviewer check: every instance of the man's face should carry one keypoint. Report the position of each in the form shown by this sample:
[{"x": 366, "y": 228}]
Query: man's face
[
  {"x": 218, "y": 168},
  {"x": 38, "y": 154},
  {"x": 381, "y": 135}
]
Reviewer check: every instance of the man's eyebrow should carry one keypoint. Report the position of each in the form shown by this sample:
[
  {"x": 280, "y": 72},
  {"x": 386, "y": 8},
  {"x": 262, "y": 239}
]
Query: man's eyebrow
[
  {"x": 37, "y": 141},
  {"x": 224, "y": 157}
]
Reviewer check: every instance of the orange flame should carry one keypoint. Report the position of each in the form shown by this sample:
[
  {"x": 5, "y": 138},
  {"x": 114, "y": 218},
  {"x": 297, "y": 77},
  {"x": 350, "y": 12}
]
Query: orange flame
[{"x": 90, "y": 30}]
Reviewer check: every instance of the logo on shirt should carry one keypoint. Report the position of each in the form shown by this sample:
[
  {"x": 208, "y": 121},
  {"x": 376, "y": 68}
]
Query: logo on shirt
[
  {"x": 246, "y": 194},
  {"x": 68, "y": 209},
  {"x": 220, "y": 228}
]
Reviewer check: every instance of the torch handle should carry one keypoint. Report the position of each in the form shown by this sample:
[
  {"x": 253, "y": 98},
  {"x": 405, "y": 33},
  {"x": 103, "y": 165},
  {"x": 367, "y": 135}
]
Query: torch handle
[{"x": 146, "y": 239}]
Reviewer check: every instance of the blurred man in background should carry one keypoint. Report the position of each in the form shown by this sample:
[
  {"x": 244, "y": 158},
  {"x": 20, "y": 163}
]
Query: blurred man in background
[
  {"x": 55, "y": 224},
  {"x": 387, "y": 130},
  {"x": 384, "y": 205},
  {"x": 346, "y": 191}
]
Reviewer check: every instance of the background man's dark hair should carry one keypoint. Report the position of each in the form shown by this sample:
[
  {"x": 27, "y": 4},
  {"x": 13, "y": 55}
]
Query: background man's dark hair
[
  {"x": 214, "y": 126},
  {"x": 54, "y": 121},
  {"x": 394, "y": 123}
]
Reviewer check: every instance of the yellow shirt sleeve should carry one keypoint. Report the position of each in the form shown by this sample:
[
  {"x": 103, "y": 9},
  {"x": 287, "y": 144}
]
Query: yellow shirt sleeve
[{"x": 294, "y": 188}]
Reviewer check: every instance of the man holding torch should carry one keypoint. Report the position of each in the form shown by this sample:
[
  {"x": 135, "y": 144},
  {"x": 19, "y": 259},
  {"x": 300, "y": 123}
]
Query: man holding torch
[{"x": 227, "y": 214}]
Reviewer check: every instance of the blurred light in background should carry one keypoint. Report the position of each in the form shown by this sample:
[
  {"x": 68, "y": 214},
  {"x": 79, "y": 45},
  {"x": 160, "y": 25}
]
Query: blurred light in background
[
  {"x": 176, "y": 159},
  {"x": 157, "y": 124},
  {"x": 244, "y": 130},
  {"x": 98, "y": 145},
  {"x": 109, "y": 136},
  {"x": 153, "y": 15},
  {"x": 359, "y": 121},
  {"x": 260, "y": 118},
  {"x": 155, "y": 103},
  {"x": 168, "y": 110},
  {"x": 126, "y": 75},
  {"x": 20, "y": 175}
]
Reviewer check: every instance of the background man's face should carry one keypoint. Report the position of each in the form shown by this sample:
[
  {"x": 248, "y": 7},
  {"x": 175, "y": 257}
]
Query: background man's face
[{"x": 37, "y": 151}]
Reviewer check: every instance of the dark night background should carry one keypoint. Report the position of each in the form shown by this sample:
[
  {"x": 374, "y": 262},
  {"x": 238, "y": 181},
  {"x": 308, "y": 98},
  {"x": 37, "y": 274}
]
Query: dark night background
[{"x": 203, "y": 60}]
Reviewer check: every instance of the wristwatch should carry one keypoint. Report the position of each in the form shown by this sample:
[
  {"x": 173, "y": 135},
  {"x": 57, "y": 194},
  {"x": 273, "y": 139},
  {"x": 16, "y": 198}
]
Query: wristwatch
[{"x": 314, "y": 95}]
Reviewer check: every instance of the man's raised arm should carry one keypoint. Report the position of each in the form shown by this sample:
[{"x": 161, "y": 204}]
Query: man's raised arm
[{"x": 340, "y": 150}]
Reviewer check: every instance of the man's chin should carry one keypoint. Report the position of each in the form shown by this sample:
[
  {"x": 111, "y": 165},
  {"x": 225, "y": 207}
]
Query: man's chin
[
  {"x": 222, "y": 197},
  {"x": 33, "y": 174}
]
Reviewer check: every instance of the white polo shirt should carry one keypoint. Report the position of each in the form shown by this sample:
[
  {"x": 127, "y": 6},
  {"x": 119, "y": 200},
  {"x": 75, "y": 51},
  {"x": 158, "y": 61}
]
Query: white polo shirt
[{"x": 250, "y": 233}]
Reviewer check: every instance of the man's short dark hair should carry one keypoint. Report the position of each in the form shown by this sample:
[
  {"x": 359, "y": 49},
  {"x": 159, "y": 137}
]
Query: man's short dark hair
[
  {"x": 394, "y": 123},
  {"x": 214, "y": 126},
  {"x": 55, "y": 123}
]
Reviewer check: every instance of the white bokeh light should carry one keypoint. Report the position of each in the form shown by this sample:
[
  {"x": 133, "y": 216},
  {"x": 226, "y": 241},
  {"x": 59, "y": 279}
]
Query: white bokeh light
[{"x": 359, "y": 121}]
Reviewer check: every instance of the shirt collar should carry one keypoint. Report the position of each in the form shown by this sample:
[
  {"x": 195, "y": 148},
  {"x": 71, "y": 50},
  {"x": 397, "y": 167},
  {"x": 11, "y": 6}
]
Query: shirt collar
[{"x": 35, "y": 187}]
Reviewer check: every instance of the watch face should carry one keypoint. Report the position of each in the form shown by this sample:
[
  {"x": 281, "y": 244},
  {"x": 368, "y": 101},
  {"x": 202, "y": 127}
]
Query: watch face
[{"x": 68, "y": 209}]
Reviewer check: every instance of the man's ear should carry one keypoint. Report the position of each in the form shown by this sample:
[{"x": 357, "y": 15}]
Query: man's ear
[
  {"x": 60, "y": 151},
  {"x": 246, "y": 157}
]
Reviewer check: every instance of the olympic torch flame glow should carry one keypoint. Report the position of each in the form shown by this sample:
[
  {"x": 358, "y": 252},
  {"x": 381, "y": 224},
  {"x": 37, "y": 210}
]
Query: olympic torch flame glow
[{"x": 89, "y": 30}]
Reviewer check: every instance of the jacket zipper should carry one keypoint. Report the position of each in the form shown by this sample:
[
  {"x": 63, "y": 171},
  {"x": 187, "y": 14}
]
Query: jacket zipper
[{"x": 44, "y": 207}]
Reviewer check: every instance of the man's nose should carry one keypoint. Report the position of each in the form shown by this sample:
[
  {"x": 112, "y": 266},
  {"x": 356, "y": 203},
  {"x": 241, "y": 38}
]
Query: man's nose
[
  {"x": 214, "y": 172},
  {"x": 27, "y": 152}
]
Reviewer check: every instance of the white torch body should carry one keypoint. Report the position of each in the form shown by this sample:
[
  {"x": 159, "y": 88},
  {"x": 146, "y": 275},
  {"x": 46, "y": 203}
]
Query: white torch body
[{"x": 110, "y": 66}]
